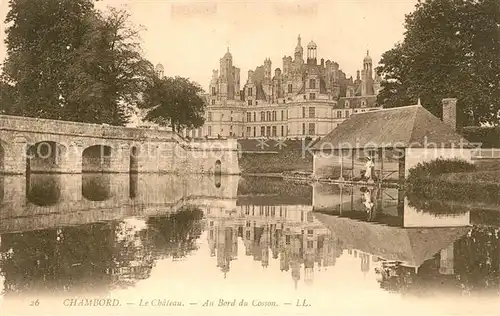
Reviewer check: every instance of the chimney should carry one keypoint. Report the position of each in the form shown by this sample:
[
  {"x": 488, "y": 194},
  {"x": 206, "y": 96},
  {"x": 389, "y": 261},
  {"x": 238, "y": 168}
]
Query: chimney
[{"x": 450, "y": 112}]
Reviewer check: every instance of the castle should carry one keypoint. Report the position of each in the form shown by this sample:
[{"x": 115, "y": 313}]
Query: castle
[{"x": 306, "y": 98}]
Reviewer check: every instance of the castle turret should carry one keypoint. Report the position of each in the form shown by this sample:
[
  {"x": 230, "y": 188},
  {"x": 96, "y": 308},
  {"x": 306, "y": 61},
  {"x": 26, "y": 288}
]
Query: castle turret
[
  {"x": 367, "y": 76},
  {"x": 159, "y": 70},
  {"x": 299, "y": 51},
  {"x": 311, "y": 53}
]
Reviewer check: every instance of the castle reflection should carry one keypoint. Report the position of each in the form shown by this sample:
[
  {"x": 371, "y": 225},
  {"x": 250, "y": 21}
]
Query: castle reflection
[{"x": 98, "y": 232}]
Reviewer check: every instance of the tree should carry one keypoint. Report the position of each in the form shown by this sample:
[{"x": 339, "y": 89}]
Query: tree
[
  {"x": 174, "y": 101},
  {"x": 451, "y": 49},
  {"x": 40, "y": 43},
  {"x": 110, "y": 73},
  {"x": 68, "y": 61}
]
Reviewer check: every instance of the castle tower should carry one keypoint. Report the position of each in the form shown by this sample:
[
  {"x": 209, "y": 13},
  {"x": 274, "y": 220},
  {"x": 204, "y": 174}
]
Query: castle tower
[
  {"x": 159, "y": 70},
  {"x": 367, "y": 76},
  {"x": 267, "y": 69},
  {"x": 299, "y": 51},
  {"x": 226, "y": 79},
  {"x": 312, "y": 53}
]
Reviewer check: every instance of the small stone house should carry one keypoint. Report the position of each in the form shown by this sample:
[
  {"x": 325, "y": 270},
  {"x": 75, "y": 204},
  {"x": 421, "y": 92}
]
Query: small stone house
[{"x": 397, "y": 139}]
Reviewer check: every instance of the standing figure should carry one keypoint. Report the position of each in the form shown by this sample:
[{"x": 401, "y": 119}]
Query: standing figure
[{"x": 369, "y": 169}]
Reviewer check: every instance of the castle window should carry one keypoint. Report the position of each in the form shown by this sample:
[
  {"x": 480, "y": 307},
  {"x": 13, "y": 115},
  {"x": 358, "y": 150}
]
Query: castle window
[
  {"x": 268, "y": 115},
  {"x": 210, "y": 131},
  {"x": 346, "y": 113},
  {"x": 262, "y": 131},
  {"x": 310, "y": 244},
  {"x": 249, "y": 130},
  {"x": 254, "y": 116},
  {"x": 268, "y": 131},
  {"x": 249, "y": 117},
  {"x": 303, "y": 112},
  {"x": 282, "y": 115},
  {"x": 290, "y": 88},
  {"x": 346, "y": 105},
  {"x": 274, "y": 131},
  {"x": 274, "y": 115},
  {"x": 363, "y": 103},
  {"x": 213, "y": 91},
  {"x": 213, "y": 101},
  {"x": 312, "y": 112},
  {"x": 304, "y": 96},
  {"x": 262, "y": 116},
  {"x": 209, "y": 118},
  {"x": 303, "y": 128},
  {"x": 312, "y": 129},
  {"x": 256, "y": 102},
  {"x": 250, "y": 92},
  {"x": 312, "y": 96},
  {"x": 249, "y": 102},
  {"x": 339, "y": 114},
  {"x": 282, "y": 131},
  {"x": 254, "y": 131},
  {"x": 312, "y": 83}
]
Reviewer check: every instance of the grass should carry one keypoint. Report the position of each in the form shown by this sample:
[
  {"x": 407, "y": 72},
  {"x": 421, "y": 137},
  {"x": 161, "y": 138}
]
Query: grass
[{"x": 289, "y": 158}]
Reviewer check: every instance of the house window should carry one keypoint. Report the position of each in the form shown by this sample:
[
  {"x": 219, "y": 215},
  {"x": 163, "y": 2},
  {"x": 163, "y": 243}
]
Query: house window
[
  {"x": 250, "y": 92},
  {"x": 282, "y": 130},
  {"x": 249, "y": 117},
  {"x": 339, "y": 114},
  {"x": 249, "y": 102},
  {"x": 213, "y": 101},
  {"x": 209, "y": 118},
  {"x": 312, "y": 129},
  {"x": 312, "y": 83},
  {"x": 303, "y": 128},
  {"x": 274, "y": 115},
  {"x": 249, "y": 130},
  {"x": 262, "y": 131},
  {"x": 210, "y": 131},
  {"x": 303, "y": 112},
  {"x": 262, "y": 116},
  {"x": 254, "y": 131},
  {"x": 312, "y": 112},
  {"x": 274, "y": 131},
  {"x": 312, "y": 96},
  {"x": 290, "y": 88},
  {"x": 268, "y": 131}
]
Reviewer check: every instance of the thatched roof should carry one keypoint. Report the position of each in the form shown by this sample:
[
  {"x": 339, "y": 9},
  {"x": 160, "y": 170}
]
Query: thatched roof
[
  {"x": 401, "y": 127},
  {"x": 412, "y": 246}
]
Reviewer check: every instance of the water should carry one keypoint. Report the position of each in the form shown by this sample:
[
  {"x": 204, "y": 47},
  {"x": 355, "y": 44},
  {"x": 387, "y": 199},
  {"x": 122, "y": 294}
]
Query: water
[{"x": 150, "y": 243}]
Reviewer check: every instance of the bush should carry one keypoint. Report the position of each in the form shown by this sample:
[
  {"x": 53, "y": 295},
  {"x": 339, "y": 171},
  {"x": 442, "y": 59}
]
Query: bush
[{"x": 437, "y": 167}]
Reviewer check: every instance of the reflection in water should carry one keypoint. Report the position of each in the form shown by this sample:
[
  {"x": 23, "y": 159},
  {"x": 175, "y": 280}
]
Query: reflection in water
[
  {"x": 217, "y": 179},
  {"x": 43, "y": 190},
  {"x": 96, "y": 186},
  {"x": 132, "y": 184},
  {"x": 316, "y": 236}
]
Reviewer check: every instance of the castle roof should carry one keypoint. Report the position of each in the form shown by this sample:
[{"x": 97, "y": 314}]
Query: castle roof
[
  {"x": 394, "y": 127},
  {"x": 312, "y": 44}
]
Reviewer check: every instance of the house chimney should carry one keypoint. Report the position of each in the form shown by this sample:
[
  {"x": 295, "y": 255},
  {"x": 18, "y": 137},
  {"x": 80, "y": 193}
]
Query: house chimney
[{"x": 450, "y": 112}]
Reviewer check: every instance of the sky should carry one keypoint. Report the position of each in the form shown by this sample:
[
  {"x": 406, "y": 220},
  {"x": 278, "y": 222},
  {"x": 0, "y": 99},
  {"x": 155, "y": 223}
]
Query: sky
[{"x": 190, "y": 36}]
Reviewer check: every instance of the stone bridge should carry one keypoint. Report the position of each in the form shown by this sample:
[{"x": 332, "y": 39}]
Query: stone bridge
[
  {"x": 41, "y": 201},
  {"x": 30, "y": 145}
]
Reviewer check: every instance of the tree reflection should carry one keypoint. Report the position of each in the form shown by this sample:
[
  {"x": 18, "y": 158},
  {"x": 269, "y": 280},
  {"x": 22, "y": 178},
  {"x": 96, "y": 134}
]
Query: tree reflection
[
  {"x": 94, "y": 257},
  {"x": 175, "y": 235},
  {"x": 475, "y": 268},
  {"x": 43, "y": 190}
]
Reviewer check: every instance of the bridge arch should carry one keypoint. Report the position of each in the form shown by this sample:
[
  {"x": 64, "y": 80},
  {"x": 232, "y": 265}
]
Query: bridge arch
[
  {"x": 96, "y": 158},
  {"x": 45, "y": 157},
  {"x": 134, "y": 159},
  {"x": 218, "y": 167}
]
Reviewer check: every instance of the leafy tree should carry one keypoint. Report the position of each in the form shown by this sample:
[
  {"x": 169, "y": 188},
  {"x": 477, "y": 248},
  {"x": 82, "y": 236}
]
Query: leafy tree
[
  {"x": 66, "y": 60},
  {"x": 175, "y": 102},
  {"x": 451, "y": 49},
  {"x": 110, "y": 73},
  {"x": 40, "y": 43}
]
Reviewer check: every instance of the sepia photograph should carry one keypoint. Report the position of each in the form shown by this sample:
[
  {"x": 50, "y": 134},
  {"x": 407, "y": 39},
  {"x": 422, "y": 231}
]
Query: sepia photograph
[{"x": 249, "y": 157}]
